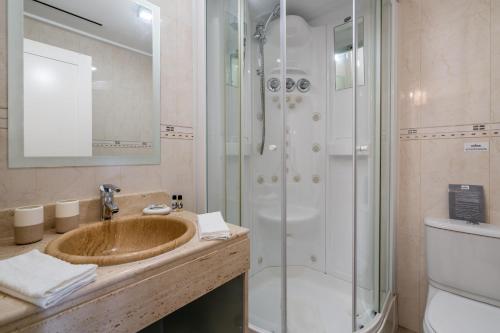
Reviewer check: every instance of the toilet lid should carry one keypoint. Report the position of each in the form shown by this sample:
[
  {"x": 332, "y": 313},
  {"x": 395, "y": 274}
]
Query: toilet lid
[{"x": 450, "y": 313}]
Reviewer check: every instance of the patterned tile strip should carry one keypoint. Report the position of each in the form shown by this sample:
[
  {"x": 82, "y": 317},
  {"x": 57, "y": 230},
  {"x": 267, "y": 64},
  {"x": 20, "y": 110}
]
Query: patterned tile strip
[
  {"x": 450, "y": 132},
  {"x": 176, "y": 132}
]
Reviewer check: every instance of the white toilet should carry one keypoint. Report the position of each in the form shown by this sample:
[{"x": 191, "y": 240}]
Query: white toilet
[{"x": 463, "y": 269}]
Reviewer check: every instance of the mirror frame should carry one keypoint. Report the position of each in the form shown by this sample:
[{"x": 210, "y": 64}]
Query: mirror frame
[{"x": 16, "y": 158}]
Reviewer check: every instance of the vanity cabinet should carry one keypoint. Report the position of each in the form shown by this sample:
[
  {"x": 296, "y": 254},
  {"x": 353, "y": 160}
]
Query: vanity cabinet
[{"x": 220, "y": 311}]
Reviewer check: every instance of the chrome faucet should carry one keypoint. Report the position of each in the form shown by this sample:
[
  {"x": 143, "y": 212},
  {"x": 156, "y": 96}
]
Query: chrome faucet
[{"x": 108, "y": 206}]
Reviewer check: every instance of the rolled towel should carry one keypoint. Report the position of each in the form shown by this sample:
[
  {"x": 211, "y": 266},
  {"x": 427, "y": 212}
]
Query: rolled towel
[
  {"x": 212, "y": 226},
  {"x": 41, "y": 279}
]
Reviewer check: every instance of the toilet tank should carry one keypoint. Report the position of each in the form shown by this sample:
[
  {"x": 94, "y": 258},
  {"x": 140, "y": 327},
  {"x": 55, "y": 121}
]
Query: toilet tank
[{"x": 464, "y": 258}]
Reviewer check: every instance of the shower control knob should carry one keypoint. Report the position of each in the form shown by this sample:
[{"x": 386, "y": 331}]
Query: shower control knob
[
  {"x": 273, "y": 147},
  {"x": 290, "y": 85},
  {"x": 273, "y": 84},
  {"x": 303, "y": 85}
]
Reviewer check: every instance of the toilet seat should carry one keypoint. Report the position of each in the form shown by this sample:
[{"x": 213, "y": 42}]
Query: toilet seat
[{"x": 450, "y": 313}]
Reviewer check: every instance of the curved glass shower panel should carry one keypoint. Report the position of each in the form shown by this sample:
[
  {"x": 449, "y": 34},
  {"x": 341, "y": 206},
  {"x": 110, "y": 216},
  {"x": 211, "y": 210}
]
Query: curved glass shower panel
[
  {"x": 223, "y": 109},
  {"x": 263, "y": 166},
  {"x": 286, "y": 159},
  {"x": 367, "y": 150},
  {"x": 319, "y": 166},
  {"x": 387, "y": 172}
]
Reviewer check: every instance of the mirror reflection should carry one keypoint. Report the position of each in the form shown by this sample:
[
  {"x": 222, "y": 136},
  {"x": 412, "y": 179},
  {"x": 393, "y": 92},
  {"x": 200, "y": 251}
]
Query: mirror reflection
[
  {"x": 88, "y": 78},
  {"x": 344, "y": 56}
]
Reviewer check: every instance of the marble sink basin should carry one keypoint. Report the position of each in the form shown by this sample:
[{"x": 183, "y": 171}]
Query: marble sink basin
[{"x": 122, "y": 240}]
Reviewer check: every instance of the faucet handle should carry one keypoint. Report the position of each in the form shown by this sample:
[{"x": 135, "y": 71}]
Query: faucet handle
[{"x": 108, "y": 188}]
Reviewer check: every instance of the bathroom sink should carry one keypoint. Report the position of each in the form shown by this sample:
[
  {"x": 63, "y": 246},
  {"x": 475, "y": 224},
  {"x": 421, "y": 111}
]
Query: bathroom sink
[{"x": 122, "y": 240}]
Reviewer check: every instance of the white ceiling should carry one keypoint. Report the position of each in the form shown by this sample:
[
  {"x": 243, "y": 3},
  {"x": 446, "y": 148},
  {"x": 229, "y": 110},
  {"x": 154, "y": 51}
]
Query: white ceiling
[
  {"x": 119, "y": 19},
  {"x": 308, "y": 9}
]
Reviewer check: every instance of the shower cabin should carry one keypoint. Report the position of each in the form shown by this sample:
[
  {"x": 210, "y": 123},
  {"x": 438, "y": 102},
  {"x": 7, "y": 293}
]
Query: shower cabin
[{"x": 299, "y": 144}]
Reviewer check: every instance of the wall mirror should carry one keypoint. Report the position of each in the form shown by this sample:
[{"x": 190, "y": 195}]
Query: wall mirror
[
  {"x": 343, "y": 55},
  {"x": 84, "y": 82}
]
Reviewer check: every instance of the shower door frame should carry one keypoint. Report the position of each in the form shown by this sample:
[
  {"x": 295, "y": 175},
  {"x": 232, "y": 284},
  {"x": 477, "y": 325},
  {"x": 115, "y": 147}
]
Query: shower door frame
[{"x": 200, "y": 150}]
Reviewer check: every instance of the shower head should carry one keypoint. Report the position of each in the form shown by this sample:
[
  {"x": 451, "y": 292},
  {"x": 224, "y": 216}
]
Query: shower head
[
  {"x": 276, "y": 10},
  {"x": 260, "y": 32}
]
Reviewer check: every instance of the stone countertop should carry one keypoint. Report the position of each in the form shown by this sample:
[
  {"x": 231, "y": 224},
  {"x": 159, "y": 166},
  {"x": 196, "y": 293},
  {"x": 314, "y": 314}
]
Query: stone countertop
[{"x": 109, "y": 278}]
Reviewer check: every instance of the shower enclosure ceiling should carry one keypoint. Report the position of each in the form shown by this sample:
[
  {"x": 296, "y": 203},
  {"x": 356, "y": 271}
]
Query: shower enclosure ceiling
[{"x": 298, "y": 151}]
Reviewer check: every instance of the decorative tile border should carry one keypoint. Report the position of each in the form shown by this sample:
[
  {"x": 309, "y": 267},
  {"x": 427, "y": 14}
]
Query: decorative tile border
[
  {"x": 450, "y": 132},
  {"x": 176, "y": 132},
  {"x": 166, "y": 132},
  {"x": 121, "y": 144},
  {"x": 3, "y": 118}
]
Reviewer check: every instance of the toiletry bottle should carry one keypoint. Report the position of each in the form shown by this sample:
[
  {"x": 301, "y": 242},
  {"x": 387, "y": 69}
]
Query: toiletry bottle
[
  {"x": 174, "y": 202},
  {"x": 180, "y": 205}
]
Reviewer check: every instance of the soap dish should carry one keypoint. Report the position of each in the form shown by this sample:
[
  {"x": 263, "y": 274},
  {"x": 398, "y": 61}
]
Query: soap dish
[{"x": 157, "y": 209}]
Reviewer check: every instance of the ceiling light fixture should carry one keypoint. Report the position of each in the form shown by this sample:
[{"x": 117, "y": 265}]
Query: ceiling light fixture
[{"x": 145, "y": 14}]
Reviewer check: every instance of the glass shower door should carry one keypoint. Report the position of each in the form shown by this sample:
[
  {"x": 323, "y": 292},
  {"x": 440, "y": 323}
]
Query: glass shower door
[
  {"x": 223, "y": 109},
  {"x": 318, "y": 236},
  {"x": 245, "y": 141},
  {"x": 264, "y": 167},
  {"x": 367, "y": 164},
  {"x": 298, "y": 149}
]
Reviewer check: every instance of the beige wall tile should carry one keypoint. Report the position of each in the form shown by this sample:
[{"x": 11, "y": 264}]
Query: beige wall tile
[
  {"x": 495, "y": 79},
  {"x": 409, "y": 188},
  {"x": 423, "y": 284},
  {"x": 177, "y": 73},
  {"x": 17, "y": 186},
  {"x": 177, "y": 158},
  {"x": 168, "y": 7},
  {"x": 139, "y": 178},
  {"x": 168, "y": 71},
  {"x": 446, "y": 56},
  {"x": 184, "y": 11},
  {"x": 107, "y": 175},
  {"x": 184, "y": 74},
  {"x": 455, "y": 62},
  {"x": 65, "y": 183},
  {"x": 445, "y": 162},
  {"x": 3, "y": 54},
  {"x": 495, "y": 181},
  {"x": 409, "y": 92},
  {"x": 409, "y": 46},
  {"x": 410, "y": 16},
  {"x": 407, "y": 270},
  {"x": 408, "y": 234}
]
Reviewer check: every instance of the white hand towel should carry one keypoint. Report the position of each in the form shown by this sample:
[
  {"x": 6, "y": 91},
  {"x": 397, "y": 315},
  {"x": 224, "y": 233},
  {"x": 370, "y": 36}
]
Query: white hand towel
[
  {"x": 212, "y": 226},
  {"x": 41, "y": 279}
]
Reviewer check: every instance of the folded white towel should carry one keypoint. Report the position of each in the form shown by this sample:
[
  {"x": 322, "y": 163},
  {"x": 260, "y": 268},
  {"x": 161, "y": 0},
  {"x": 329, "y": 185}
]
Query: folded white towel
[
  {"x": 41, "y": 279},
  {"x": 212, "y": 226}
]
